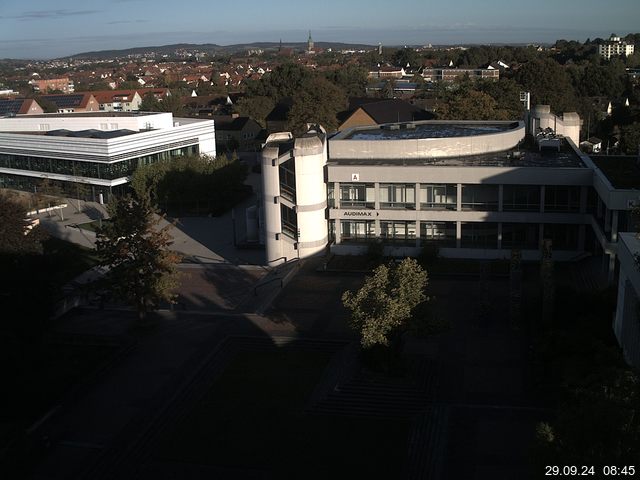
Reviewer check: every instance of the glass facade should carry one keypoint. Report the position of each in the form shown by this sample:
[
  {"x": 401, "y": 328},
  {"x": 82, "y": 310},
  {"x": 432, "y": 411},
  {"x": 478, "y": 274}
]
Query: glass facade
[
  {"x": 86, "y": 169},
  {"x": 479, "y": 235},
  {"x": 480, "y": 197},
  {"x": 562, "y": 236},
  {"x": 357, "y": 195},
  {"x": 521, "y": 198},
  {"x": 398, "y": 232},
  {"x": 520, "y": 235},
  {"x": 561, "y": 198},
  {"x": 288, "y": 180},
  {"x": 289, "y": 222},
  {"x": 354, "y": 231},
  {"x": 397, "y": 195},
  {"x": 442, "y": 233},
  {"x": 438, "y": 197}
]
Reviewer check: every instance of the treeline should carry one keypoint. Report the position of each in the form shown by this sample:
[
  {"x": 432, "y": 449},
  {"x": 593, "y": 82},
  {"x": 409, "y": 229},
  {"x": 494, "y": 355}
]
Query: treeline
[
  {"x": 596, "y": 395},
  {"x": 193, "y": 185}
]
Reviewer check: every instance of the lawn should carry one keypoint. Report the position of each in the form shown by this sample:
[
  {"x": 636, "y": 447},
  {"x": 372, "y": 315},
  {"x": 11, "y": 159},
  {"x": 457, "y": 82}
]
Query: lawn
[{"x": 253, "y": 418}]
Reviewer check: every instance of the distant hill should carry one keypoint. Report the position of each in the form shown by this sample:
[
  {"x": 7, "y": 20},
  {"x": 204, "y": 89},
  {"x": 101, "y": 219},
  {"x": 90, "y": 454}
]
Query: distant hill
[{"x": 211, "y": 48}]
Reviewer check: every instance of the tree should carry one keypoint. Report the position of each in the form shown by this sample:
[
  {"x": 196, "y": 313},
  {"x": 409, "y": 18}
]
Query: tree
[
  {"x": 255, "y": 107},
  {"x": 15, "y": 236},
  {"x": 318, "y": 101},
  {"x": 141, "y": 268},
  {"x": 382, "y": 308},
  {"x": 549, "y": 84}
]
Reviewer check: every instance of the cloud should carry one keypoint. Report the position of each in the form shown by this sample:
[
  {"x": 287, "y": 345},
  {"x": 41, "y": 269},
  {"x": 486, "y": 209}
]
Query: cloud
[{"x": 49, "y": 14}]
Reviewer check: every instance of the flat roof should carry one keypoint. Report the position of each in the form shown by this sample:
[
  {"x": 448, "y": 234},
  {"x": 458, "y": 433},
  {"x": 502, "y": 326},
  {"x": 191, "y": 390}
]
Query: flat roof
[
  {"x": 89, "y": 114},
  {"x": 526, "y": 155},
  {"x": 422, "y": 130},
  {"x": 622, "y": 171}
]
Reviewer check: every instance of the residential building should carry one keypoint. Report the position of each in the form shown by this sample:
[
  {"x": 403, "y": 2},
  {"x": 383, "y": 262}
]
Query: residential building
[
  {"x": 62, "y": 84},
  {"x": 236, "y": 133},
  {"x": 74, "y": 102},
  {"x": 99, "y": 150},
  {"x": 19, "y": 106},
  {"x": 372, "y": 111},
  {"x": 615, "y": 47},
  {"x": 118, "y": 100},
  {"x": 451, "y": 74}
]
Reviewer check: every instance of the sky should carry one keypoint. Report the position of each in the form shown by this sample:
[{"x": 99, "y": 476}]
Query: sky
[{"x": 41, "y": 29}]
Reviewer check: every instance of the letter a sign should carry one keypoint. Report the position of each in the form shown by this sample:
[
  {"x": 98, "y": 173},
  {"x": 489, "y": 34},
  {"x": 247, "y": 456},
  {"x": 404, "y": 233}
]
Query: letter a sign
[{"x": 355, "y": 177}]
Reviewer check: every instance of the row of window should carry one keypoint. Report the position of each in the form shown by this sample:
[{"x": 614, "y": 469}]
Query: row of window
[
  {"x": 77, "y": 168},
  {"x": 515, "y": 198},
  {"x": 473, "y": 234}
]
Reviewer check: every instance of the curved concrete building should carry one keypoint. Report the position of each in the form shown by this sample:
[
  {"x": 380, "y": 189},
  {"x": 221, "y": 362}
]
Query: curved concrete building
[{"x": 294, "y": 195}]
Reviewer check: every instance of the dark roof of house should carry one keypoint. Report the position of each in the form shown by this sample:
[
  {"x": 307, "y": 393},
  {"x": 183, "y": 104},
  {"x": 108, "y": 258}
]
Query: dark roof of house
[
  {"x": 12, "y": 106},
  {"x": 227, "y": 123},
  {"x": 73, "y": 100},
  {"x": 392, "y": 110}
]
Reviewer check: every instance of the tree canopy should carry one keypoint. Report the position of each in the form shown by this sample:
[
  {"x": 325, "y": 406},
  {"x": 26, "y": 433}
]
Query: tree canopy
[
  {"x": 135, "y": 250},
  {"x": 382, "y": 307}
]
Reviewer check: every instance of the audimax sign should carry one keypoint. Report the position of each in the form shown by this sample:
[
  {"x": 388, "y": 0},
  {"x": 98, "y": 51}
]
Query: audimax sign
[{"x": 359, "y": 213}]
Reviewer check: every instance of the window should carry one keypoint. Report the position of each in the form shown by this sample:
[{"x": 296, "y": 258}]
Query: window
[
  {"x": 288, "y": 180},
  {"x": 561, "y": 198},
  {"x": 479, "y": 235},
  {"x": 354, "y": 231},
  {"x": 398, "y": 232},
  {"x": 439, "y": 197},
  {"x": 442, "y": 233},
  {"x": 521, "y": 198},
  {"x": 480, "y": 197},
  {"x": 289, "y": 222},
  {"x": 397, "y": 196},
  {"x": 520, "y": 235},
  {"x": 357, "y": 195},
  {"x": 562, "y": 236}
]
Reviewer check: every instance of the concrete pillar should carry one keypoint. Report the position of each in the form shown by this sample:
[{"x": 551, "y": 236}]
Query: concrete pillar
[
  {"x": 540, "y": 235},
  {"x": 338, "y": 231},
  {"x": 500, "y": 226},
  {"x": 376, "y": 193},
  {"x": 500, "y": 200},
  {"x": 458, "y": 228},
  {"x": 417, "y": 197},
  {"x": 542, "y": 189},
  {"x": 459, "y": 200},
  {"x": 336, "y": 195},
  {"x": 612, "y": 268},
  {"x": 614, "y": 225}
]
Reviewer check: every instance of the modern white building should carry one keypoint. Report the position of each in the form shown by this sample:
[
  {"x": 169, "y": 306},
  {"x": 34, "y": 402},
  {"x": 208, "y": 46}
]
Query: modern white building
[
  {"x": 100, "y": 150},
  {"x": 473, "y": 189},
  {"x": 615, "y": 47}
]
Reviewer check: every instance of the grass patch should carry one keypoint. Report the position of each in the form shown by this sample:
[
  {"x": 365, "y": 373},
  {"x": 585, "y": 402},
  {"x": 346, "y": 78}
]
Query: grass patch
[
  {"x": 90, "y": 226},
  {"x": 253, "y": 418}
]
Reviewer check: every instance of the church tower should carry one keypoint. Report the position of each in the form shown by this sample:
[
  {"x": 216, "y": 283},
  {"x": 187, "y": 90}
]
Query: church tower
[{"x": 310, "y": 43}]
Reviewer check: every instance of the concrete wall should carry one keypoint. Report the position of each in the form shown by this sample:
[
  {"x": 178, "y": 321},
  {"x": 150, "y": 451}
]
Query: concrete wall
[
  {"x": 427, "y": 148},
  {"x": 627, "y": 322}
]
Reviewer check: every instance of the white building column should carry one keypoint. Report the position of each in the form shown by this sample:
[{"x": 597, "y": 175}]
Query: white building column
[
  {"x": 459, "y": 200},
  {"x": 336, "y": 194},
  {"x": 500, "y": 229},
  {"x": 458, "y": 234}
]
